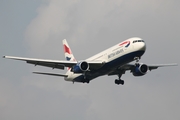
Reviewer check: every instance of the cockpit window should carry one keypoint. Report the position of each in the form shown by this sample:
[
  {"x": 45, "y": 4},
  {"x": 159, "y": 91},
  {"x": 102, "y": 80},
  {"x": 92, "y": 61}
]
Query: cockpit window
[
  {"x": 134, "y": 41},
  {"x": 138, "y": 41}
]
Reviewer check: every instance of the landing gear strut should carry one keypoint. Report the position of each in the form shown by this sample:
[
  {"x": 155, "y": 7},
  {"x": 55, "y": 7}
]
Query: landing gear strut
[
  {"x": 137, "y": 59},
  {"x": 86, "y": 80},
  {"x": 119, "y": 81}
]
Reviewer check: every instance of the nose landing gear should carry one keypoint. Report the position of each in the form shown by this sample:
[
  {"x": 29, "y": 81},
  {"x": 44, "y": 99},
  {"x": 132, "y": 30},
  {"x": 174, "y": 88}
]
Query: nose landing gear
[{"x": 137, "y": 59}]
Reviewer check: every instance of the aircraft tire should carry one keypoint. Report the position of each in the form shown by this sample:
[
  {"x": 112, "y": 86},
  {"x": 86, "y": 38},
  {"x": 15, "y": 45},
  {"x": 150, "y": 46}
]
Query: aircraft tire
[
  {"x": 122, "y": 82},
  {"x": 119, "y": 82},
  {"x": 87, "y": 81}
]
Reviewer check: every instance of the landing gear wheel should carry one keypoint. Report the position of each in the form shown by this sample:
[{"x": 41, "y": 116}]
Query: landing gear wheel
[
  {"x": 85, "y": 81},
  {"x": 119, "y": 82},
  {"x": 116, "y": 81},
  {"x": 122, "y": 82}
]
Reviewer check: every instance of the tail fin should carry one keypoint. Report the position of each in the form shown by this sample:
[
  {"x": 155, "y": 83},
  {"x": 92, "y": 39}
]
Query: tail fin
[{"x": 67, "y": 51}]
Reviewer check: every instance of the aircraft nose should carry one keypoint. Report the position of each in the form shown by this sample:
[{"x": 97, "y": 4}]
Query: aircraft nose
[{"x": 142, "y": 46}]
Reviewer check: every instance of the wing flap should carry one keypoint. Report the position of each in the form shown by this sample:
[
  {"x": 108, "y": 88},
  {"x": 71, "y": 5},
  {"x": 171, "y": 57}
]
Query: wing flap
[
  {"x": 45, "y": 62},
  {"x": 52, "y": 65}
]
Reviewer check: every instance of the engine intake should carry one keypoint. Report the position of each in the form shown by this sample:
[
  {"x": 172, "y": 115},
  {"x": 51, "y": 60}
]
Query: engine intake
[
  {"x": 80, "y": 67},
  {"x": 140, "y": 70}
]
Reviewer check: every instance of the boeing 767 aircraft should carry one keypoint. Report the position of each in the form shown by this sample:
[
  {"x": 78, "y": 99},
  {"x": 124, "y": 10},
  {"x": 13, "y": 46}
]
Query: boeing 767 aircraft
[{"x": 113, "y": 61}]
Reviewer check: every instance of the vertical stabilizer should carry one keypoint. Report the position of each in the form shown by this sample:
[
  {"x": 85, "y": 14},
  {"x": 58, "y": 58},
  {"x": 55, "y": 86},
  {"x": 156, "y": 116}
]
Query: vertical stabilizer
[{"x": 67, "y": 51}]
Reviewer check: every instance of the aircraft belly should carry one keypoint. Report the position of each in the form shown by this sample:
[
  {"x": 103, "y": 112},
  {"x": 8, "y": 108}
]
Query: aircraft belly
[{"x": 110, "y": 66}]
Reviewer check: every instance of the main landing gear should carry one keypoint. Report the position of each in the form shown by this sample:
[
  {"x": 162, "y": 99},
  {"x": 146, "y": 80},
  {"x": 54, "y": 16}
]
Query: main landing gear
[
  {"x": 119, "y": 81},
  {"x": 85, "y": 80}
]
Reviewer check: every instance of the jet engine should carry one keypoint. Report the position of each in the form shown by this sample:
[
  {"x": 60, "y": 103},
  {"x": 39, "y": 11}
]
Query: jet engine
[
  {"x": 140, "y": 69},
  {"x": 80, "y": 67}
]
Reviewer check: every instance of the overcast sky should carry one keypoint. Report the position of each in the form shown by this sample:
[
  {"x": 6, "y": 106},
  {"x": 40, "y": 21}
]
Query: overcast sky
[{"x": 36, "y": 28}]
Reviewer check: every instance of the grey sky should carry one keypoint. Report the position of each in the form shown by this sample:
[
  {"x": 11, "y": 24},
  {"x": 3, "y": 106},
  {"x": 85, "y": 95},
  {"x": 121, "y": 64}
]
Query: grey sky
[{"x": 36, "y": 28}]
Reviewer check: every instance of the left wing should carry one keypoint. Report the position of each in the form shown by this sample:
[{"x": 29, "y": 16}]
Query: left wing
[
  {"x": 43, "y": 62},
  {"x": 126, "y": 67},
  {"x": 55, "y": 63}
]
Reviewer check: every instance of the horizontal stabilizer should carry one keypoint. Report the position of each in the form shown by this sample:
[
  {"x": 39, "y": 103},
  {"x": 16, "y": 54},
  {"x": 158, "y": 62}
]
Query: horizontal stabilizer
[{"x": 61, "y": 75}]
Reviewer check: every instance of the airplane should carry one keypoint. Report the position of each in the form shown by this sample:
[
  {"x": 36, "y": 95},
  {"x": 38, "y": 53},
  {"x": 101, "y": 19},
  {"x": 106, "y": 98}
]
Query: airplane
[{"x": 113, "y": 61}]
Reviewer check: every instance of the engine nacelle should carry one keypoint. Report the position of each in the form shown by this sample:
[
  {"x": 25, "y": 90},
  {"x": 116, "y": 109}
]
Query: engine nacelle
[
  {"x": 80, "y": 67},
  {"x": 140, "y": 69}
]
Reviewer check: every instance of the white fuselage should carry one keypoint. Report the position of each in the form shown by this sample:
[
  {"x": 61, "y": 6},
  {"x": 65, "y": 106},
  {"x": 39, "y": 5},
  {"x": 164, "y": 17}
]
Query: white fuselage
[{"x": 114, "y": 57}]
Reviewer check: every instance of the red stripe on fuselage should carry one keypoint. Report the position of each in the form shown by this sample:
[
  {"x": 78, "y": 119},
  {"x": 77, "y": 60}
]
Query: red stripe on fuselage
[{"x": 126, "y": 42}]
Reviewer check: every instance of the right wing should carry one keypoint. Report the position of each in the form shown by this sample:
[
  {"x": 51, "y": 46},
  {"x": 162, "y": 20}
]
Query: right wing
[
  {"x": 155, "y": 66},
  {"x": 150, "y": 66},
  {"x": 122, "y": 69}
]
